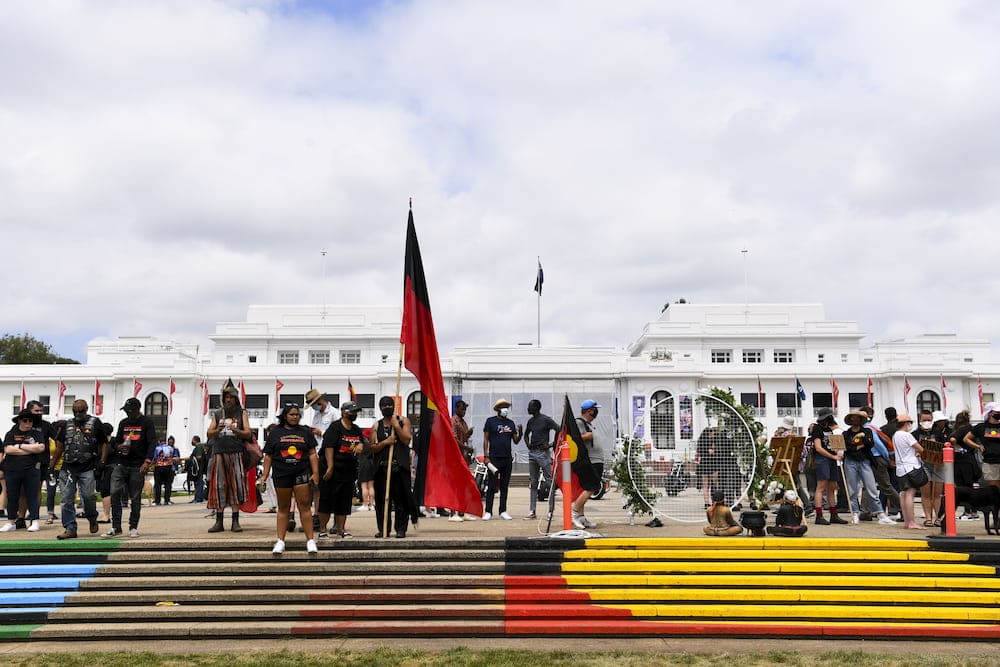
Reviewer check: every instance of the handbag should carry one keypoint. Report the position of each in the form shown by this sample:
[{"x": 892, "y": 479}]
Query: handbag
[{"x": 917, "y": 477}]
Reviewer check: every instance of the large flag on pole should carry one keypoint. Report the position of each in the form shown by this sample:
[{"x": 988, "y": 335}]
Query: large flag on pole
[
  {"x": 350, "y": 390},
  {"x": 448, "y": 482},
  {"x": 582, "y": 475}
]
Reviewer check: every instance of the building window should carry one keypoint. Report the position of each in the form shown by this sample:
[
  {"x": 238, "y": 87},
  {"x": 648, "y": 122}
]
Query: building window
[
  {"x": 788, "y": 404},
  {"x": 928, "y": 400},
  {"x": 859, "y": 399},
  {"x": 821, "y": 400},
  {"x": 258, "y": 406},
  {"x": 751, "y": 397},
  {"x": 753, "y": 356},
  {"x": 68, "y": 401},
  {"x": 843, "y": 358},
  {"x": 987, "y": 397},
  {"x": 214, "y": 401},
  {"x": 367, "y": 403},
  {"x": 157, "y": 407},
  {"x": 252, "y": 358},
  {"x": 414, "y": 405},
  {"x": 661, "y": 420},
  {"x": 350, "y": 356},
  {"x": 15, "y": 404},
  {"x": 722, "y": 356},
  {"x": 784, "y": 356},
  {"x": 820, "y": 358},
  {"x": 319, "y": 356},
  {"x": 229, "y": 358},
  {"x": 285, "y": 399},
  {"x": 288, "y": 357}
]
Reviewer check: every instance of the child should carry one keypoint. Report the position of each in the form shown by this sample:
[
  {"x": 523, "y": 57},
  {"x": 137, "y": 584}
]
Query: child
[
  {"x": 788, "y": 523},
  {"x": 720, "y": 518}
]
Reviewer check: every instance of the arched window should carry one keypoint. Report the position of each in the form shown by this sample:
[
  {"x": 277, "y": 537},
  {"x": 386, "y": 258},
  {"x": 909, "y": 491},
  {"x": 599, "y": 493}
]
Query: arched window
[
  {"x": 928, "y": 400},
  {"x": 157, "y": 407},
  {"x": 661, "y": 420},
  {"x": 414, "y": 402}
]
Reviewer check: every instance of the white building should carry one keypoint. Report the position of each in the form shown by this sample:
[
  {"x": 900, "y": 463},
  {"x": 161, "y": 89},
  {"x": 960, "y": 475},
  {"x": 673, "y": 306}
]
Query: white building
[{"x": 759, "y": 351}]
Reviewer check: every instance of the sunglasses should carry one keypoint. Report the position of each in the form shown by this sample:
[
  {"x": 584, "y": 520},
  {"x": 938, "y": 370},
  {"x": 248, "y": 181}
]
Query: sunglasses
[
  {"x": 292, "y": 405},
  {"x": 26, "y": 419}
]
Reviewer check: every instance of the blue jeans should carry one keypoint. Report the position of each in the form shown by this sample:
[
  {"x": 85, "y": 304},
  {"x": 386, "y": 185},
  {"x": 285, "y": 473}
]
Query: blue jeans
[
  {"x": 199, "y": 489},
  {"x": 860, "y": 472},
  {"x": 539, "y": 460},
  {"x": 87, "y": 484}
]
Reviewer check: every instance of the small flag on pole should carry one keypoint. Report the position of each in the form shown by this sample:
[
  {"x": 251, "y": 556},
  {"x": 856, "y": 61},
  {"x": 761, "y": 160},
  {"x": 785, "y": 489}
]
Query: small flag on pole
[
  {"x": 62, "y": 392},
  {"x": 136, "y": 388},
  {"x": 760, "y": 394},
  {"x": 243, "y": 394},
  {"x": 24, "y": 396},
  {"x": 800, "y": 390},
  {"x": 982, "y": 406},
  {"x": 278, "y": 386},
  {"x": 906, "y": 394},
  {"x": 870, "y": 392},
  {"x": 944, "y": 395},
  {"x": 539, "y": 278},
  {"x": 173, "y": 388},
  {"x": 98, "y": 399},
  {"x": 350, "y": 390},
  {"x": 204, "y": 396},
  {"x": 835, "y": 390}
]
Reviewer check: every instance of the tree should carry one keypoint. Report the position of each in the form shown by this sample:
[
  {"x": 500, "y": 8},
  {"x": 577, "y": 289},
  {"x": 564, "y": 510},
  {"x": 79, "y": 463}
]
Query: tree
[{"x": 26, "y": 349}]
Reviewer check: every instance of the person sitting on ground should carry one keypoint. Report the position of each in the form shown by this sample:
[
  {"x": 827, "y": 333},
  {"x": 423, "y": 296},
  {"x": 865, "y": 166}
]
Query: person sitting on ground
[
  {"x": 788, "y": 522},
  {"x": 721, "y": 522}
]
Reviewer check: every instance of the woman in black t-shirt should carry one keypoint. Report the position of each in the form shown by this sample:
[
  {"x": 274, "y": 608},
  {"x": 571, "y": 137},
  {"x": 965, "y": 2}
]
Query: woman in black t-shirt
[
  {"x": 290, "y": 455},
  {"x": 23, "y": 449}
]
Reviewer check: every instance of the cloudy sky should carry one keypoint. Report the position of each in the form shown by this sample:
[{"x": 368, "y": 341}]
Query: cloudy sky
[{"x": 166, "y": 163}]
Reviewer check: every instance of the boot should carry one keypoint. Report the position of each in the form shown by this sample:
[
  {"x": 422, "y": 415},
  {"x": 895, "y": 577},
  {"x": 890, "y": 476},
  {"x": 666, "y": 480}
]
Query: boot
[
  {"x": 217, "y": 527},
  {"x": 236, "y": 523}
]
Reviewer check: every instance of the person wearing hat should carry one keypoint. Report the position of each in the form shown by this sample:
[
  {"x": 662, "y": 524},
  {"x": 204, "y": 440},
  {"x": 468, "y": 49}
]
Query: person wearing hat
[
  {"x": 500, "y": 433},
  {"x": 858, "y": 446},
  {"x": 788, "y": 521},
  {"x": 227, "y": 479},
  {"x": 393, "y": 432},
  {"x": 590, "y": 483},
  {"x": 23, "y": 447},
  {"x": 881, "y": 458},
  {"x": 987, "y": 436},
  {"x": 827, "y": 466},
  {"x": 130, "y": 455},
  {"x": 324, "y": 414},
  {"x": 909, "y": 469},
  {"x": 343, "y": 443},
  {"x": 786, "y": 427}
]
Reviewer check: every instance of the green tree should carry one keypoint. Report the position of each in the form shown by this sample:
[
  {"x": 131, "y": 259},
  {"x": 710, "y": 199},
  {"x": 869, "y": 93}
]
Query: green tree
[{"x": 26, "y": 349}]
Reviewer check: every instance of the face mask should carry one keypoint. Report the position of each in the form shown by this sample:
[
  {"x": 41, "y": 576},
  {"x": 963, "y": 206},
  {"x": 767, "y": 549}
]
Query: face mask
[
  {"x": 926, "y": 425},
  {"x": 317, "y": 407},
  {"x": 350, "y": 416},
  {"x": 504, "y": 412},
  {"x": 387, "y": 412}
]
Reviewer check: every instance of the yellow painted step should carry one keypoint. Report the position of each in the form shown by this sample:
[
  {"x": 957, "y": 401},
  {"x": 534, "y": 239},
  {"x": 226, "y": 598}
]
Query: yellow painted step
[
  {"x": 695, "y": 567},
  {"x": 797, "y": 611},
  {"x": 750, "y": 543},
  {"x": 782, "y": 581},
  {"x": 748, "y": 554},
  {"x": 722, "y": 595}
]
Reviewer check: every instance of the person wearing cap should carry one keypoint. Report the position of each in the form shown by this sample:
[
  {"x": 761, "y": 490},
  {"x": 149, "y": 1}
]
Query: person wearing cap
[
  {"x": 393, "y": 432},
  {"x": 324, "y": 414},
  {"x": 589, "y": 410},
  {"x": 788, "y": 521},
  {"x": 987, "y": 436},
  {"x": 290, "y": 457},
  {"x": 23, "y": 447},
  {"x": 858, "y": 445},
  {"x": 130, "y": 455},
  {"x": 343, "y": 443},
  {"x": 827, "y": 466},
  {"x": 227, "y": 479},
  {"x": 721, "y": 522},
  {"x": 908, "y": 464},
  {"x": 500, "y": 433},
  {"x": 538, "y": 436}
]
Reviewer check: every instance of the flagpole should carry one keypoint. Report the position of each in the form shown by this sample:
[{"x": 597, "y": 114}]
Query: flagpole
[
  {"x": 538, "y": 319},
  {"x": 392, "y": 445}
]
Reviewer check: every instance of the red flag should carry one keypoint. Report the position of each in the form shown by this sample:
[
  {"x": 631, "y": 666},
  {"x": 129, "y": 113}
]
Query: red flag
[
  {"x": 944, "y": 395},
  {"x": 870, "y": 392},
  {"x": 173, "y": 388},
  {"x": 449, "y": 483},
  {"x": 204, "y": 397},
  {"x": 582, "y": 473},
  {"x": 136, "y": 388},
  {"x": 62, "y": 392},
  {"x": 982, "y": 407},
  {"x": 98, "y": 399},
  {"x": 24, "y": 396},
  {"x": 906, "y": 394},
  {"x": 760, "y": 394},
  {"x": 278, "y": 386},
  {"x": 836, "y": 393},
  {"x": 350, "y": 390},
  {"x": 243, "y": 394}
]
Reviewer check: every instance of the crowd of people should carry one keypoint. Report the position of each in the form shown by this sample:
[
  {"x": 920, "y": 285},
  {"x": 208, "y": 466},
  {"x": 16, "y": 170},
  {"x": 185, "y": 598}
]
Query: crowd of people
[{"x": 329, "y": 467}]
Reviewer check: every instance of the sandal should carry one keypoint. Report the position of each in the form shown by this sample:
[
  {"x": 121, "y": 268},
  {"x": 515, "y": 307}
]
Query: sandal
[
  {"x": 51, "y": 519},
  {"x": 928, "y": 523}
]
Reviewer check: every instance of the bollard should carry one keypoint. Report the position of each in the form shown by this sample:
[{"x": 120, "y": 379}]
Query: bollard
[
  {"x": 948, "y": 525},
  {"x": 566, "y": 485}
]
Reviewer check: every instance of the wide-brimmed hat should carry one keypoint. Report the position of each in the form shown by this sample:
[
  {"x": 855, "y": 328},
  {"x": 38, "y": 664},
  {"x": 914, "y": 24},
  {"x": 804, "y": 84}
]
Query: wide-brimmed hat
[
  {"x": 788, "y": 421},
  {"x": 939, "y": 416},
  {"x": 823, "y": 414},
  {"x": 856, "y": 413},
  {"x": 501, "y": 403},
  {"x": 26, "y": 414},
  {"x": 312, "y": 396},
  {"x": 903, "y": 418}
]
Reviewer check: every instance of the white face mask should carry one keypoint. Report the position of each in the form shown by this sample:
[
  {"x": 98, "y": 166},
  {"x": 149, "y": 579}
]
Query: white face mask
[
  {"x": 926, "y": 425},
  {"x": 504, "y": 412}
]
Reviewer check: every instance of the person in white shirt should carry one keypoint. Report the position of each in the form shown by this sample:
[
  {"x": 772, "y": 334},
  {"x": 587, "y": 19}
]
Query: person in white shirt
[
  {"x": 324, "y": 414},
  {"x": 909, "y": 469}
]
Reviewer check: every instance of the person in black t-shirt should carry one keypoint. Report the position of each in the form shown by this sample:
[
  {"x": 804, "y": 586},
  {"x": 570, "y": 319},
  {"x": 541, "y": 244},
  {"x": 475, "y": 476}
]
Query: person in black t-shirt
[
  {"x": 343, "y": 443},
  {"x": 130, "y": 457},
  {"x": 23, "y": 447},
  {"x": 290, "y": 457},
  {"x": 392, "y": 431},
  {"x": 987, "y": 436}
]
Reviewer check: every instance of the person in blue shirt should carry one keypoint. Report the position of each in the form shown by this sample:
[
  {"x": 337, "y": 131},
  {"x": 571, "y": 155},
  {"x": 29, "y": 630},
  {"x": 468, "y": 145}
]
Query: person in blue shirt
[{"x": 499, "y": 435}]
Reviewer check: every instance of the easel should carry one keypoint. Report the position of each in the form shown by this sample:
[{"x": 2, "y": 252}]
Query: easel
[{"x": 786, "y": 451}]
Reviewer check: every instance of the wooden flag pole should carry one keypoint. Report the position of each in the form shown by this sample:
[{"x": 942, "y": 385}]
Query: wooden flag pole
[{"x": 388, "y": 467}]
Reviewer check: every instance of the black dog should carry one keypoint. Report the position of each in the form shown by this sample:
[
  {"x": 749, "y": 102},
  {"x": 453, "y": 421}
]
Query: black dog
[{"x": 985, "y": 499}]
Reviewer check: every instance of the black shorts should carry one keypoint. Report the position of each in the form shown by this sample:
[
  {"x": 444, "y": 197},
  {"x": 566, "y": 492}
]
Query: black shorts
[
  {"x": 336, "y": 497},
  {"x": 290, "y": 481}
]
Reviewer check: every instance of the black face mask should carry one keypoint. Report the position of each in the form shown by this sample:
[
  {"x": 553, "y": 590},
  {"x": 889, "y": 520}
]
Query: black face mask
[
  {"x": 350, "y": 416},
  {"x": 387, "y": 412}
]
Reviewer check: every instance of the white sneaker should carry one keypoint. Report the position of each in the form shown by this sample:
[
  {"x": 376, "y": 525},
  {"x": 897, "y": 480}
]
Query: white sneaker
[
  {"x": 469, "y": 517},
  {"x": 579, "y": 521},
  {"x": 884, "y": 520},
  {"x": 506, "y": 516},
  {"x": 132, "y": 532},
  {"x": 10, "y": 525},
  {"x": 487, "y": 516},
  {"x": 33, "y": 527},
  {"x": 311, "y": 547},
  {"x": 456, "y": 518},
  {"x": 855, "y": 519},
  {"x": 896, "y": 516},
  {"x": 279, "y": 547},
  {"x": 587, "y": 522}
]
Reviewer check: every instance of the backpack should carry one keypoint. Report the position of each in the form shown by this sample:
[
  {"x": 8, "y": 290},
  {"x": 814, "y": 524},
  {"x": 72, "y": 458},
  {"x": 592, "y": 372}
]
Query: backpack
[
  {"x": 79, "y": 442},
  {"x": 191, "y": 467}
]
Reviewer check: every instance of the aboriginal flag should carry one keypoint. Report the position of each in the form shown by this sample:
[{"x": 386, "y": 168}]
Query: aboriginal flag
[
  {"x": 582, "y": 471},
  {"x": 448, "y": 482}
]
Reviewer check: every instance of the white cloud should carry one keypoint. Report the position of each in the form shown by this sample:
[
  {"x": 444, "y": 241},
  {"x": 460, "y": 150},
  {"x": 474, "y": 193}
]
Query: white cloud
[{"x": 180, "y": 160}]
